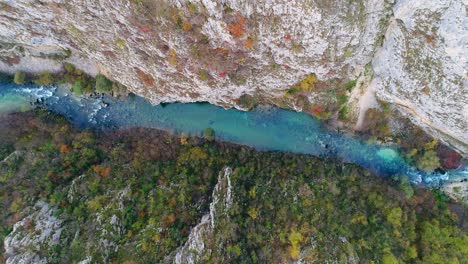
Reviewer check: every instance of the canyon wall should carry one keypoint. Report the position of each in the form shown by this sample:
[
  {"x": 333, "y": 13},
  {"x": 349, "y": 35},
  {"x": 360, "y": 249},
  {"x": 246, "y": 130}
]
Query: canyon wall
[{"x": 294, "y": 54}]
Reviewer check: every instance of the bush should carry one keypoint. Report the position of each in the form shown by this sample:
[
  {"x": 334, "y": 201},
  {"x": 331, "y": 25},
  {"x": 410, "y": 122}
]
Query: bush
[
  {"x": 103, "y": 84},
  {"x": 343, "y": 114},
  {"x": 45, "y": 78},
  {"x": 70, "y": 68},
  {"x": 247, "y": 101},
  {"x": 88, "y": 86},
  {"x": 203, "y": 75},
  {"x": 429, "y": 161},
  {"x": 405, "y": 186},
  {"x": 77, "y": 88},
  {"x": 20, "y": 77},
  {"x": 309, "y": 82},
  {"x": 293, "y": 90},
  {"x": 350, "y": 85}
]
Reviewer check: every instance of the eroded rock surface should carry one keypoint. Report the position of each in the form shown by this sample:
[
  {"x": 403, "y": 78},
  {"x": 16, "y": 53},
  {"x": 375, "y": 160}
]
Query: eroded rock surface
[
  {"x": 34, "y": 234},
  {"x": 217, "y": 51},
  {"x": 200, "y": 241},
  {"x": 422, "y": 66}
]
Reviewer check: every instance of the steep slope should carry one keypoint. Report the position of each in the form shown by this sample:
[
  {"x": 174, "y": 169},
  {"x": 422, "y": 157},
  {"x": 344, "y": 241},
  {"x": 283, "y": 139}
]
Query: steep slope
[
  {"x": 147, "y": 196},
  {"x": 422, "y": 66},
  {"x": 295, "y": 54}
]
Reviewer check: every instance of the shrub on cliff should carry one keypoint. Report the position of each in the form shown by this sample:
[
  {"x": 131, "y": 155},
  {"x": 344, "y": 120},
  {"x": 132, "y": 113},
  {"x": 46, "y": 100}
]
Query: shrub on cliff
[
  {"x": 247, "y": 101},
  {"x": 77, "y": 88},
  {"x": 69, "y": 68},
  {"x": 350, "y": 85},
  {"x": 45, "y": 78},
  {"x": 308, "y": 84},
  {"x": 429, "y": 161},
  {"x": 103, "y": 84},
  {"x": 20, "y": 77}
]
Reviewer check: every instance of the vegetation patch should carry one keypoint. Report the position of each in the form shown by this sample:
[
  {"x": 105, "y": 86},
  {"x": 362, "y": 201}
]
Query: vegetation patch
[
  {"x": 350, "y": 85},
  {"x": 425, "y": 152},
  {"x": 20, "y": 77},
  {"x": 150, "y": 188},
  {"x": 103, "y": 84},
  {"x": 247, "y": 101},
  {"x": 80, "y": 83},
  {"x": 44, "y": 78}
]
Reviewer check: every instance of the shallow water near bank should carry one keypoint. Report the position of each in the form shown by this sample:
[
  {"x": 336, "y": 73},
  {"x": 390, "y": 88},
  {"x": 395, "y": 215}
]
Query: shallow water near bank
[{"x": 265, "y": 128}]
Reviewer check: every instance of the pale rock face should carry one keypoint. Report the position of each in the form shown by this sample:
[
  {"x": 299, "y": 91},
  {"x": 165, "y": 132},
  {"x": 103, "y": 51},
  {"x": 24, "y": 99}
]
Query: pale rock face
[
  {"x": 109, "y": 225},
  {"x": 37, "y": 231},
  {"x": 197, "y": 246},
  {"x": 457, "y": 190},
  {"x": 219, "y": 50},
  {"x": 275, "y": 45},
  {"x": 422, "y": 66}
]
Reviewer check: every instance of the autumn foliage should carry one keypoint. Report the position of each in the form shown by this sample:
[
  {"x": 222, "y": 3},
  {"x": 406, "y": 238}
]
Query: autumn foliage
[
  {"x": 143, "y": 28},
  {"x": 64, "y": 149},
  {"x": 316, "y": 110},
  {"x": 223, "y": 74},
  {"x": 450, "y": 159},
  {"x": 237, "y": 28},
  {"x": 145, "y": 78},
  {"x": 102, "y": 171},
  {"x": 248, "y": 43}
]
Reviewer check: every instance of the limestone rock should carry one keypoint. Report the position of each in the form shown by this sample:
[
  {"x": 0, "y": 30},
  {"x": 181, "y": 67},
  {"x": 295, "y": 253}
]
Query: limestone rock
[
  {"x": 422, "y": 67},
  {"x": 37, "y": 231},
  {"x": 220, "y": 50}
]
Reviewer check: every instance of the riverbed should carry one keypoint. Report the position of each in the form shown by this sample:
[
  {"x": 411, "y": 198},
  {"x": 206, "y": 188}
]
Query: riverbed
[{"x": 264, "y": 128}]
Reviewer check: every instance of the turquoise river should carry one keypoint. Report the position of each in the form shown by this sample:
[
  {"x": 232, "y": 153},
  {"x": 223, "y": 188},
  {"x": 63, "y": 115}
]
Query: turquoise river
[{"x": 264, "y": 128}]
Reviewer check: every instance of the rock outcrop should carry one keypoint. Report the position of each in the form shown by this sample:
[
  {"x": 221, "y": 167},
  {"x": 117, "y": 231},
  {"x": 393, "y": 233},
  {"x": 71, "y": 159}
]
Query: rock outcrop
[
  {"x": 422, "y": 67},
  {"x": 200, "y": 241},
  {"x": 218, "y": 51},
  {"x": 38, "y": 231}
]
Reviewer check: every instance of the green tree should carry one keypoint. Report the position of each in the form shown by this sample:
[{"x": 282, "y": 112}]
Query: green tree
[
  {"x": 405, "y": 186},
  {"x": 394, "y": 217},
  {"x": 103, "y": 84},
  {"x": 20, "y": 77},
  {"x": 429, "y": 161},
  {"x": 389, "y": 258},
  {"x": 45, "y": 78},
  {"x": 77, "y": 88}
]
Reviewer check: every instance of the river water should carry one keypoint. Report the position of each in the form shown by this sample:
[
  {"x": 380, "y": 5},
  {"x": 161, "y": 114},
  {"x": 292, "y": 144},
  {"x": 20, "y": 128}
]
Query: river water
[{"x": 265, "y": 128}]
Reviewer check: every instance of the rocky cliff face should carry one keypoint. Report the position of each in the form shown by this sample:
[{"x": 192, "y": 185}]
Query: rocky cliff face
[
  {"x": 220, "y": 51},
  {"x": 422, "y": 66},
  {"x": 33, "y": 235},
  {"x": 198, "y": 247}
]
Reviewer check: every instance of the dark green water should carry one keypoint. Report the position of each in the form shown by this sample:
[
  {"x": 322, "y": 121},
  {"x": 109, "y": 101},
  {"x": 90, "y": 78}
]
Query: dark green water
[{"x": 265, "y": 128}]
